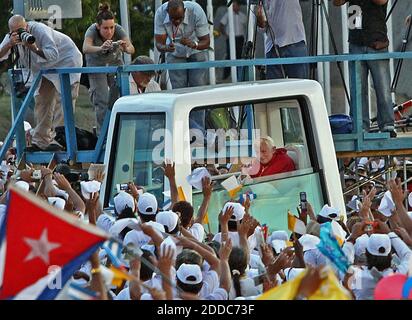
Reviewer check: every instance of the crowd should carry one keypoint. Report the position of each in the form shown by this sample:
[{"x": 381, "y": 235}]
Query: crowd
[{"x": 171, "y": 256}]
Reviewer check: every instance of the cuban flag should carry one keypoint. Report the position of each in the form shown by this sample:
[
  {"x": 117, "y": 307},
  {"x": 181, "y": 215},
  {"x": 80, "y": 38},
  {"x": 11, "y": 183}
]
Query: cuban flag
[{"x": 41, "y": 247}]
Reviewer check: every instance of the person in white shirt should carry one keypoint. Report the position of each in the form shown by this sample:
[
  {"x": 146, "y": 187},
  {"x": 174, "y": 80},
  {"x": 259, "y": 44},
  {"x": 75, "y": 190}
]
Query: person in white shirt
[{"x": 50, "y": 49}]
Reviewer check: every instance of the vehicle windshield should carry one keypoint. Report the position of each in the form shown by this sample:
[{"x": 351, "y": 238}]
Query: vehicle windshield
[{"x": 138, "y": 154}]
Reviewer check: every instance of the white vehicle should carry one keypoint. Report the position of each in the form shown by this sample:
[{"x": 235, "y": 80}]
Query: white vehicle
[{"x": 147, "y": 129}]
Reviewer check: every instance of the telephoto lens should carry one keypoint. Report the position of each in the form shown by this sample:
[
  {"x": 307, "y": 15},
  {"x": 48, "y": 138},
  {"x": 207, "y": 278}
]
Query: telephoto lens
[{"x": 26, "y": 37}]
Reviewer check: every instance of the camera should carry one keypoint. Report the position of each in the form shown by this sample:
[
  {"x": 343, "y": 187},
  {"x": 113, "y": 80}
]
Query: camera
[
  {"x": 122, "y": 187},
  {"x": 303, "y": 201},
  {"x": 26, "y": 36},
  {"x": 113, "y": 48},
  {"x": 36, "y": 175}
]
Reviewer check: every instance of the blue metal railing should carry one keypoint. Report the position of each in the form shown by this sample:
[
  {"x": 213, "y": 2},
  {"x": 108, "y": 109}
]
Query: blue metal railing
[{"x": 356, "y": 141}]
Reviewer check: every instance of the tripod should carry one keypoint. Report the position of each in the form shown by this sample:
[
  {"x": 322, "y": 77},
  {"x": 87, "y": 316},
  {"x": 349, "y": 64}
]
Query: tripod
[
  {"x": 405, "y": 41},
  {"x": 249, "y": 47},
  {"x": 319, "y": 7}
]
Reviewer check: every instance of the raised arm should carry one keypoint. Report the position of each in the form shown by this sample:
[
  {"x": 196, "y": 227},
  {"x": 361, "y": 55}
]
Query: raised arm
[{"x": 207, "y": 194}]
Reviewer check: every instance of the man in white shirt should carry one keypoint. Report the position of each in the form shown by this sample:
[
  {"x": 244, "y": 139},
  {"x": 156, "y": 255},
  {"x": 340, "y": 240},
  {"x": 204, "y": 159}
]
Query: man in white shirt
[{"x": 51, "y": 49}]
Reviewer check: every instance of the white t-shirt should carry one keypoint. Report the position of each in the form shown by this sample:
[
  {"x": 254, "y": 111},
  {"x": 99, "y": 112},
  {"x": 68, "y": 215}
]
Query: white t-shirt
[
  {"x": 105, "y": 222},
  {"x": 239, "y": 22},
  {"x": 247, "y": 288},
  {"x": 210, "y": 283}
]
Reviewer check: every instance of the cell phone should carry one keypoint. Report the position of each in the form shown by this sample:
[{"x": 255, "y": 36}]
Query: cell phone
[
  {"x": 303, "y": 200},
  {"x": 122, "y": 187},
  {"x": 259, "y": 279},
  {"x": 36, "y": 175}
]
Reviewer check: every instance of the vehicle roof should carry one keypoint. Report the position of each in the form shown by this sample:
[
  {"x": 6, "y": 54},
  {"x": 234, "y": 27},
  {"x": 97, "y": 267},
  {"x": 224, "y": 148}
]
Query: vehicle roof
[{"x": 216, "y": 94}]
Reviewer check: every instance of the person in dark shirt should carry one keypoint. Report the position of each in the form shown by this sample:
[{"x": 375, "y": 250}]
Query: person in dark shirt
[
  {"x": 368, "y": 34},
  {"x": 269, "y": 160}
]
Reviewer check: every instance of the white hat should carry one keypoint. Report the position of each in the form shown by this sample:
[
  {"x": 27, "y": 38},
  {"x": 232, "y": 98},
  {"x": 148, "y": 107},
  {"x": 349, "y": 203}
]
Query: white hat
[
  {"x": 189, "y": 273},
  {"x": 362, "y": 163},
  {"x": 168, "y": 219},
  {"x": 122, "y": 201},
  {"x": 147, "y": 204},
  {"x": 354, "y": 203},
  {"x": 57, "y": 202},
  {"x": 379, "y": 245},
  {"x": 329, "y": 212},
  {"x": 169, "y": 243},
  {"x": 195, "y": 179},
  {"x": 278, "y": 245},
  {"x": 387, "y": 205},
  {"x": 121, "y": 224},
  {"x": 23, "y": 185},
  {"x": 278, "y": 235},
  {"x": 360, "y": 245},
  {"x": 309, "y": 242},
  {"x": 88, "y": 187},
  {"x": 238, "y": 210}
]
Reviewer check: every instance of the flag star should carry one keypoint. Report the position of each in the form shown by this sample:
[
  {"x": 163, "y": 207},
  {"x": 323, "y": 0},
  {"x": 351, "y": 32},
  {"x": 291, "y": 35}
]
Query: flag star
[{"x": 41, "y": 247}]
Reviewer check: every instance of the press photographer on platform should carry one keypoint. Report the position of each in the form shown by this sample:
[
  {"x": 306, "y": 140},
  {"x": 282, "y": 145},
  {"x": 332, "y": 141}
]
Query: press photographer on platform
[{"x": 36, "y": 46}]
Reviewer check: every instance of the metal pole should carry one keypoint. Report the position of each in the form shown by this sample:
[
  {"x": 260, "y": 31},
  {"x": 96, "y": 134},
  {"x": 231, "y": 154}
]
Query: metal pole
[
  {"x": 232, "y": 41},
  {"x": 404, "y": 179},
  {"x": 251, "y": 37},
  {"x": 212, "y": 71},
  {"x": 391, "y": 46},
  {"x": 18, "y": 7},
  {"x": 124, "y": 17},
  {"x": 158, "y": 3},
  {"x": 345, "y": 46},
  {"x": 325, "y": 50}
]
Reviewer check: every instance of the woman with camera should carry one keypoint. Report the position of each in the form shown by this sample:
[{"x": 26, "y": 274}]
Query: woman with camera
[{"x": 103, "y": 45}]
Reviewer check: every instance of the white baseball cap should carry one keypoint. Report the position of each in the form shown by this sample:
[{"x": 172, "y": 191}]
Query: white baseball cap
[
  {"x": 168, "y": 219},
  {"x": 387, "y": 205},
  {"x": 189, "y": 273},
  {"x": 309, "y": 242},
  {"x": 360, "y": 244},
  {"x": 238, "y": 210},
  {"x": 379, "y": 245},
  {"x": 195, "y": 179},
  {"x": 278, "y": 245},
  {"x": 23, "y": 185},
  {"x": 57, "y": 202},
  {"x": 329, "y": 212},
  {"x": 278, "y": 235},
  {"x": 122, "y": 201},
  {"x": 88, "y": 187},
  {"x": 147, "y": 204}
]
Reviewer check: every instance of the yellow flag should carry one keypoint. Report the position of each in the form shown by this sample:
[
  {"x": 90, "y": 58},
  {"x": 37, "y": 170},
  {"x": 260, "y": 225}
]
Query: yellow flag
[
  {"x": 181, "y": 194},
  {"x": 119, "y": 276},
  {"x": 295, "y": 224},
  {"x": 330, "y": 289},
  {"x": 233, "y": 192},
  {"x": 206, "y": 218}
]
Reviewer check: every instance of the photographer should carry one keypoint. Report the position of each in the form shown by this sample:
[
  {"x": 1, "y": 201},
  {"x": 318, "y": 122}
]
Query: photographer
[
  {"x": 182, "y": 31},
  {"x": 369, "y": 35},
  {"x": 283, "y": 24},
  {"x": 40, "y": 47},
  {"x": 104, "y": 43}
]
